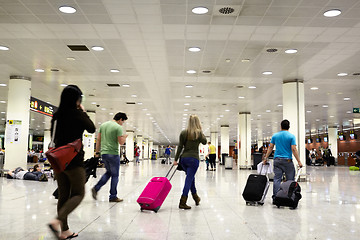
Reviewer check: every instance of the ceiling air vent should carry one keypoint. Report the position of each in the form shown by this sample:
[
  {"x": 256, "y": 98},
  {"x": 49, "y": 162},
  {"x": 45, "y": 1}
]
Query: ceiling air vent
[
  {"x": 271, "y": 50},
  {"x": 206, "y": 71},
  {"x": 356, "y": 74},
  {"x": 221, "y": 10},
  {"x": 113, "y": 85},
  {"x": 130, "y": 103},
  {"x": 78, "y": 47},
  {"x": 239, "y": 86}
]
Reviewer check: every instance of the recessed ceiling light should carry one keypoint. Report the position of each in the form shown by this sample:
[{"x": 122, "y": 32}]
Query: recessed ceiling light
[
  {"x": 133, "y": 95},
  {"x": 97, "y": 48},
  {"x": 103, "y": 109},
  {"x": 189, "y": 86},
  {"x": 318, "y": 120},
  {"x": 93, "y": 103},
  {"x": 331, "y": 116},
  {"x": 191, "y": 71},
  {"x": 194, "y": 49},
  {"x": 148, "y": 114},
  {"x": 39, "y": 70},
  {"x": 279, "y": 105},
  {"x": 268, "y": 110},
  {"x": 291, "y": 51},
  {"x": 3, "y": 85},
  {"x": 70, "y": 58},
  {"x": 347, "y": 99},
  {"x": 67, "y": 9},
  {"x": 314, "y": 88},
  {"x": 325, "y": 106},
  {"x": 227, "y": 110},
  {"x": 308, "y": 111},
  {"x": 267, "y": 73},
  {"x": 200, "y": 10},
  {"x": 187, "y": 104},
  {"x": 4, "y": 48},
  {"x": 227, "y": 60},
  {"x": 114, "y": 70},
  {"x": 2, "y": 101},
  {"x": 252, "y": 87},
  {"x": 188, "y": 96},
  {"x": 245, "y": 60},
  {"x": 3, "y": 112},
  {"x": 350, "y": 120},
  {"x": 63, "y": 85},
  {"x": 342, "y": 74},
  {"x": 332, "y": 13},
  {"x": 259, "y": 115},
  {"x": 186, "y": 110},
  {"x": 144, "y": 109},
  {"x": 111, "y": 113},
  {"x": 140, "y": 103},
  {"x": 126, "y": 85},
  {"x": 241, "y": 97}
]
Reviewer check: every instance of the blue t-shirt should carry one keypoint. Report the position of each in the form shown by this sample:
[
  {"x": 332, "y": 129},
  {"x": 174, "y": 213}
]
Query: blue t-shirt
[
  {"x": 283, "y": 141},
  {"x": 167, "y": 151}
]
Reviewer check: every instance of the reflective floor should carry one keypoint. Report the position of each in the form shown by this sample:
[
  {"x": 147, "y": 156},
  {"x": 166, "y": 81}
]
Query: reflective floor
[{"x": 330, "y": 208}]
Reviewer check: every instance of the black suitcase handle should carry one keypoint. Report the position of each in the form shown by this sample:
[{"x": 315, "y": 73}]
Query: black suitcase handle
[{"x": 172, "y": 173}]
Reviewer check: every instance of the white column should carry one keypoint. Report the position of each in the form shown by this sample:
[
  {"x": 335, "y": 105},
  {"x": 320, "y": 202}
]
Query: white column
[
  {"x": 260, "y": 143},
  {"x": 151, "y": 147},
  {"x": 333, "y": 143},
  {"x": 294, "y": 111},
  {"x": 139, "y": 139},
  {"x": 224, "y": 131},
  {"x": 89, "y": 139},
  {"x": 244, "y": 140},
  {"x": 146, "y": 148},
  {"x": 31, "y": 137},
  {"x": 17, "y": 109},
  {"x": 130, "y": 145},
  {"x": 214, "y": 141}
]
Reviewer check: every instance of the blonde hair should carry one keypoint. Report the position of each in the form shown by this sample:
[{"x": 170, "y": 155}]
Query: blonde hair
[{"x": 194, "y": 127}]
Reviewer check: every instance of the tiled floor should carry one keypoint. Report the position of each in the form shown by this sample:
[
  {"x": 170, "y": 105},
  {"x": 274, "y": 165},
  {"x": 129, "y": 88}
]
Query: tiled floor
[{"x": 330, "y": 208}]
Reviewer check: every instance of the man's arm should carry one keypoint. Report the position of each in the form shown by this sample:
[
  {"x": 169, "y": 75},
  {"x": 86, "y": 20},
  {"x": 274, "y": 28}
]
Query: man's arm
[
  {"x": 98, "y": 145},
  {"x": 296, "y": 154},
  {"x": 268, "y": 153},
  {"x": 122, "y": 139}
]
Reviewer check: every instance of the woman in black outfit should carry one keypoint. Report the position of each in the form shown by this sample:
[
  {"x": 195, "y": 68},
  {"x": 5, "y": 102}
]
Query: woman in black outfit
[{"x": 71, "y": 121}]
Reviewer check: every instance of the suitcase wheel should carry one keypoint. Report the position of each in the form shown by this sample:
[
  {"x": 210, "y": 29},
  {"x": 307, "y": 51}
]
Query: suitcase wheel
[
  {"x": 141, "y": 209},
  {"x": 156, "y": 209}
]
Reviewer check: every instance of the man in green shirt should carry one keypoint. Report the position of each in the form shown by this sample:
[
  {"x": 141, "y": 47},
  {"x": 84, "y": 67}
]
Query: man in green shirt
[{"x": 109, "y": 137}]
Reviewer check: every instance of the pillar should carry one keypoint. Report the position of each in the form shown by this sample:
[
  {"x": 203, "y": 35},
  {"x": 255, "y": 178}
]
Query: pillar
[
  {"x": 89, "y": 139},
  {"x": 17, "y": 115},
  {"x": 31, "y": 137},
  {"x": 130, "y": 145},
  {"x": 294, "y": 111},
  {"x": 224, "y": 131},
  {"x": 47, "y": 133},
  {"x": 333, "y": 143},
  {"x": 139, "y": 139},
  {"x": 260, "y": 143},
  {"x": 244, "y": 140},
  {"x": 146, "y": 148},
  {"x": 214, "y": 141},
  {"x": 151, "y": 147}
]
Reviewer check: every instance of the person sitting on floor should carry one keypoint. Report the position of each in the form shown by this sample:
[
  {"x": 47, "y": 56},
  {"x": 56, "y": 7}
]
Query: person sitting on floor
[{"x": 34, "y": 174}]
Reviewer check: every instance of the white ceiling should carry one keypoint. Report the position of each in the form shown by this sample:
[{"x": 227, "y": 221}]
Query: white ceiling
[{"x": 147, "y": 41}]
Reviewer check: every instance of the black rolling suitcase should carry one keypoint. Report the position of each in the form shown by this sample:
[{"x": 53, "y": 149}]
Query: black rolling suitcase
[
  {"x": 289, "y": 193},
  {"x": 256, "y": 189}
]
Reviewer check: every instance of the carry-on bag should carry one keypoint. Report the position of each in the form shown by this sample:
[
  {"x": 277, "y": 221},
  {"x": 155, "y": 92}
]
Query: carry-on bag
[
  {"x": 61, "y": 157},
  {"x": 155, "y": 192},
  {"x": 289, "y": 193},
  {"x": 256, "y": 188},
  {"x": 228, "y": 162}
]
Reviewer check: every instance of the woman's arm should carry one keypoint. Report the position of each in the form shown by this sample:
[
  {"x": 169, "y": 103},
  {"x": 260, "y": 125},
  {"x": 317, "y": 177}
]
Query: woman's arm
[{"x": 180, "y": 148}]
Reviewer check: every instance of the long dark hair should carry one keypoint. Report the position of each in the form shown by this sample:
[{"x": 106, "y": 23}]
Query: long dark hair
[{"x": 69, "y": 96}]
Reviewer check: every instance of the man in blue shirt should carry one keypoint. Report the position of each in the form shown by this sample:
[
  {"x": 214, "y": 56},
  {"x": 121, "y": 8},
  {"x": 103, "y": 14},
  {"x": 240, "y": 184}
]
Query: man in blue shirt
[
  {"x": 168, "y": 151},
  {"x": 285, "y": 146}
]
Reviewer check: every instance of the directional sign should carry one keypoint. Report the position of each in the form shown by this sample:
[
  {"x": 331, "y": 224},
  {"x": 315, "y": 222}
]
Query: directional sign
[
  {"x": 356, "y": 110},
  {"x": 42, "y": 107}
]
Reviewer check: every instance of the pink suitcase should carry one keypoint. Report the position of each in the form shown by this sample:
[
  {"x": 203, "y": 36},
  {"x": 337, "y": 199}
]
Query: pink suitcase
[{"x": 155, "y": 192}]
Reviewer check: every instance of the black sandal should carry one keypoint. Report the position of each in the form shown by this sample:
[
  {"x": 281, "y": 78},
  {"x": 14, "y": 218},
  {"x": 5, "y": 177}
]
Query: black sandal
[{"x": 54, "y": 231}]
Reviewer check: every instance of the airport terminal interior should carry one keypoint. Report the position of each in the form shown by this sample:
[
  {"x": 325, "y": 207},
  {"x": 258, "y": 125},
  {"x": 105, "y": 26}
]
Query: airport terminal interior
[{"x": 241, "y": 66}]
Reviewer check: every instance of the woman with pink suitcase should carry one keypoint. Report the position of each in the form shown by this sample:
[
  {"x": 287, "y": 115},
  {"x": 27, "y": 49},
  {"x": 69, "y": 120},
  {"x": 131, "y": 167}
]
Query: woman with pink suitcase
[{"x": 188, "y": 152}]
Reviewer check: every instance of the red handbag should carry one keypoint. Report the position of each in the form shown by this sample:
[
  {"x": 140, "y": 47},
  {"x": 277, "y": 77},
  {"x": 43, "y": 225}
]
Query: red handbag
[{"x": 61, "y": 157}]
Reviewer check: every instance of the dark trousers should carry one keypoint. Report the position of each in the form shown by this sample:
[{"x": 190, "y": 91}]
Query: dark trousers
[
  {"x": 71, "y": 185},
  {"x": 32, "y": 176},
  {"x": 190, "y": 166},
  {"x": 212, "y": 159}
]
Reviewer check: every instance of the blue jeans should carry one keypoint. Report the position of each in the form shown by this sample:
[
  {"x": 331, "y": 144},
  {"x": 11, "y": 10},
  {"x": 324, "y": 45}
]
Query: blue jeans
[
  {"x": 281, "y": 166},
  {"x": 190, "y": 166},
  {"x": 167, "y": 156},
  {"x": 112, "y": 165}
]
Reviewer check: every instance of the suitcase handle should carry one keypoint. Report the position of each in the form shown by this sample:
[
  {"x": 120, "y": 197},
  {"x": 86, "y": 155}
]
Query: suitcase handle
[
  {"x": 170, "y": 171},
  {"x": 298, "y": 175}
]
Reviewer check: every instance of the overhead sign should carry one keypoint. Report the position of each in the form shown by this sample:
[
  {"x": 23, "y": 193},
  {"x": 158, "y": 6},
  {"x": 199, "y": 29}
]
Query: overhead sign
[
  {"x": 356, "y": 110},
  {"x": 42, "y": 107}
]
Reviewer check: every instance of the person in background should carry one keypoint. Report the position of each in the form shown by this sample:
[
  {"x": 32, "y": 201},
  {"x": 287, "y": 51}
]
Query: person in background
[
  {"x": 71, "y": 122},
  {"x": 168, "y": 151},
  {"x": 212, "y": 156},
  {"x": 285, "y": 147},
  {"x": 33, "y": 174},
  {"x": 188, "y": 152},
  {"x": 137, "y": 154},
  {"x": 109, "y": 137},
  {"x": 235, "y": 154}
]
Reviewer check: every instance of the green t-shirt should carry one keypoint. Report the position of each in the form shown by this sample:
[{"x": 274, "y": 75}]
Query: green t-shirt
[{"x": 110, "y": 131}]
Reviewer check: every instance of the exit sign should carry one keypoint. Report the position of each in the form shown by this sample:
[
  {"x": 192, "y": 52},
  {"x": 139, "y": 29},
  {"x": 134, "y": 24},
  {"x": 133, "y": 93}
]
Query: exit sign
[{"x": 356, "y": 110}]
